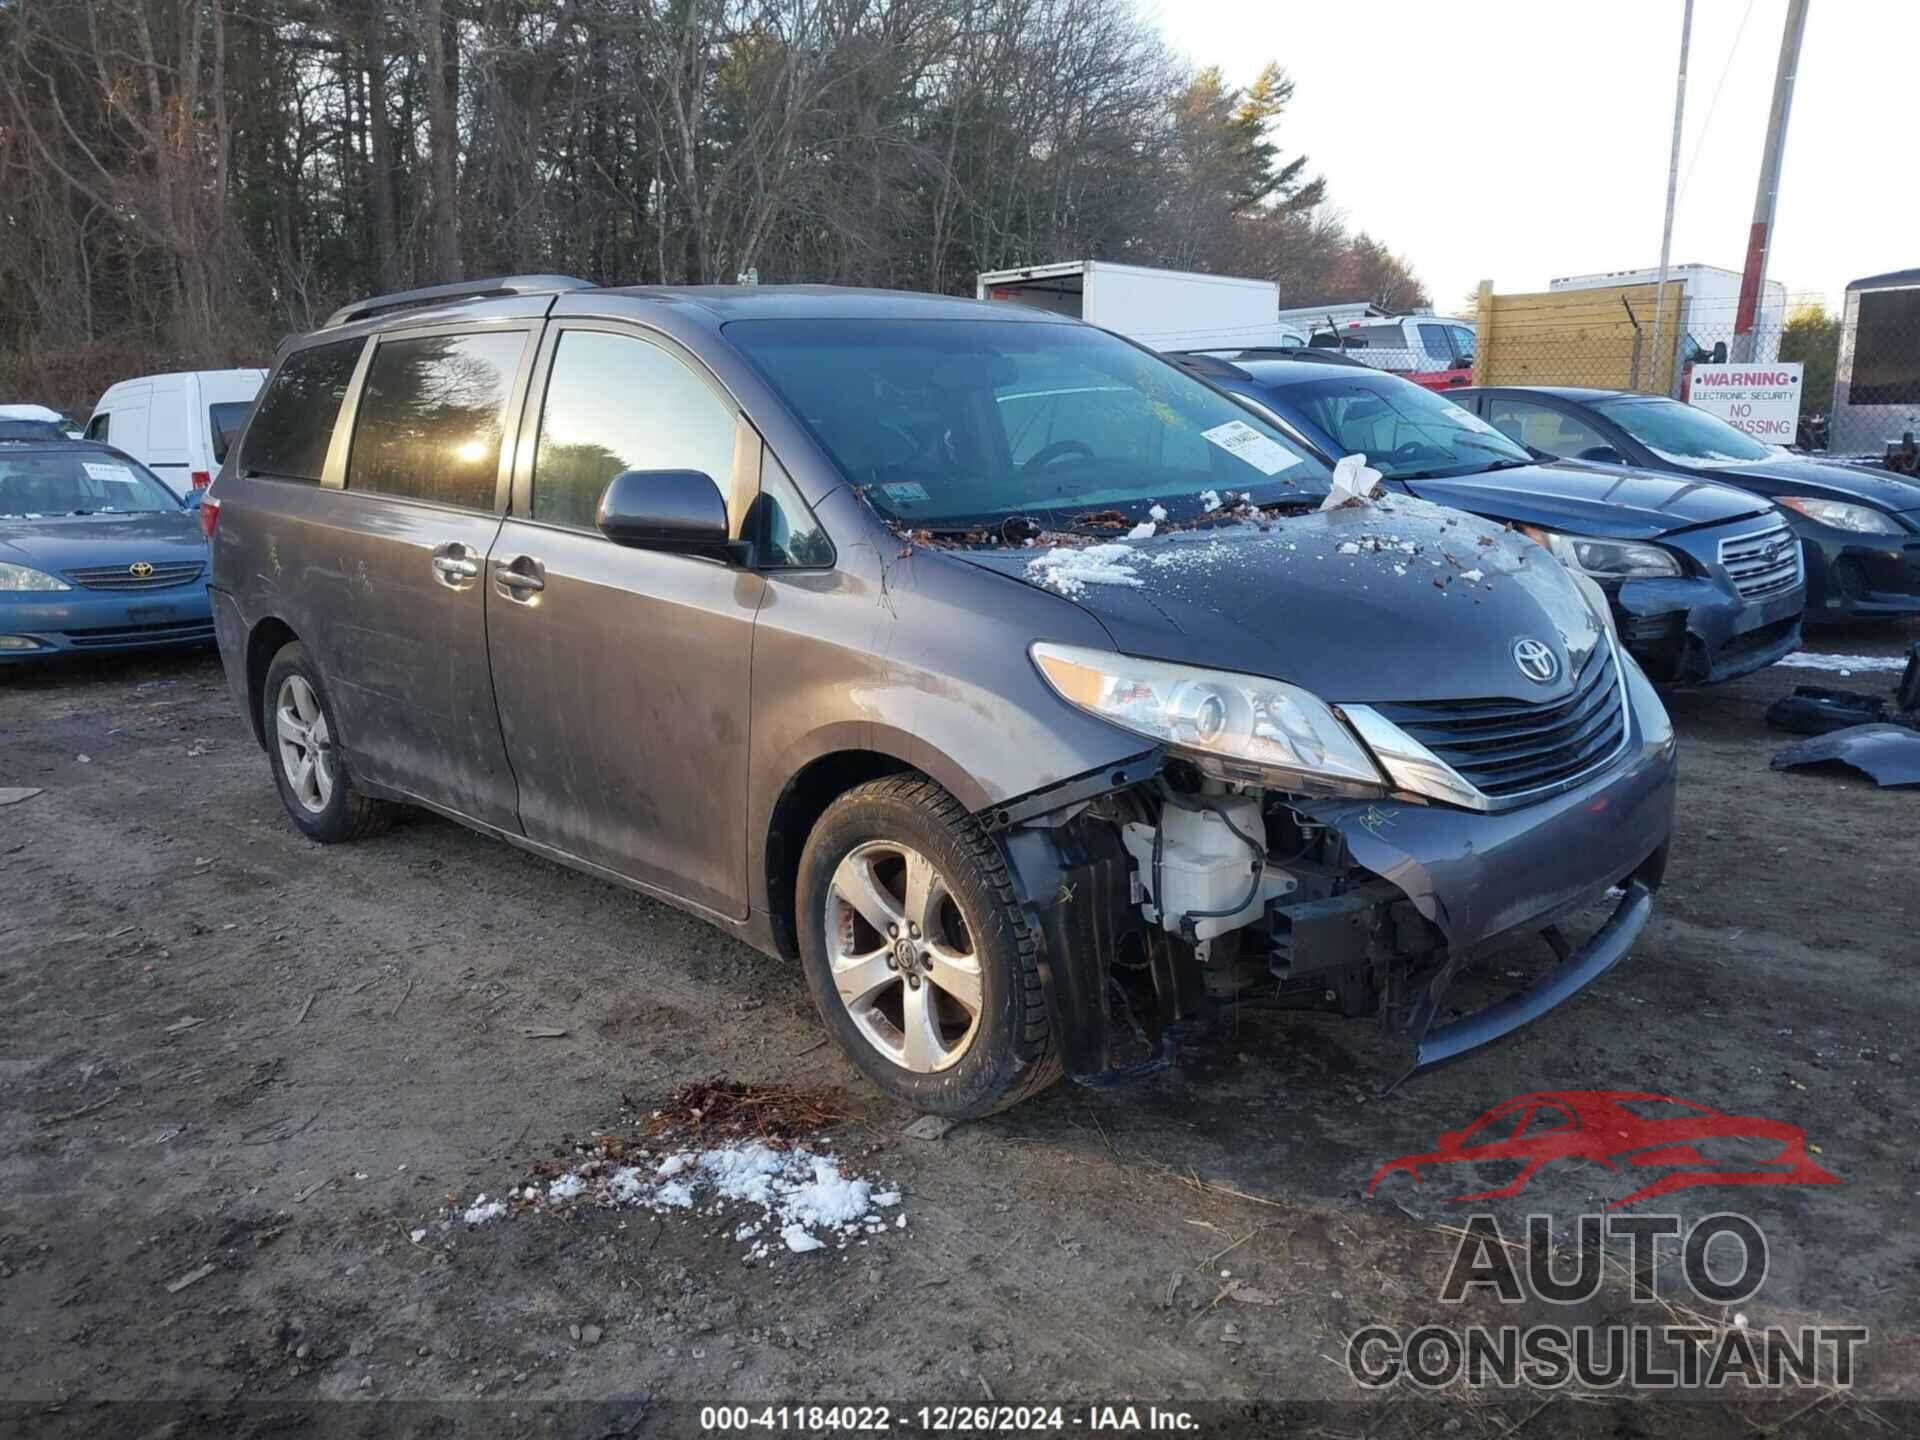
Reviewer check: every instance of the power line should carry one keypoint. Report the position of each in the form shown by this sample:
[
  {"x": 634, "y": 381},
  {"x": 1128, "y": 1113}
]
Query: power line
[{"x": 1714, "y": 104}]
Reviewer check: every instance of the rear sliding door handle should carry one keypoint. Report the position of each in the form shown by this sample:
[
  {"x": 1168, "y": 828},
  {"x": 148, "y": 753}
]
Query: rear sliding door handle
[
  {"x": 520, "y": 577},
  {"x": 454, "y": 564}
]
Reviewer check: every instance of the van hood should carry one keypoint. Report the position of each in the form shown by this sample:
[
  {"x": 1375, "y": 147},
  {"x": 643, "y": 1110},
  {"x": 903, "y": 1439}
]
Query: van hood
[
  {"x": 1615, "y": 504},
  {"x": 1390, "y": 601},
  {"x": 54, "y": 543},
  {"x": 1794, "y": 475}
]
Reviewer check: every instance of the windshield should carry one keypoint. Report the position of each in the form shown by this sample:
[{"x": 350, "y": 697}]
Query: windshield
[
  {"x": 1406, "y": 432},
  {"x": 30, "y": 430},
  {"x": 1679, "y": 432},
  {"x": 32, "y": 485},
  {"x": 950, "y": 422}
]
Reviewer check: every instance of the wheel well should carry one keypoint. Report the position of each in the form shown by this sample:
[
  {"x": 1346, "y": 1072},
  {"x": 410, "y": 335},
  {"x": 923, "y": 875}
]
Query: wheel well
[
  {"x": 799, "y": 808},
  {"x": 266, "y": 641}
]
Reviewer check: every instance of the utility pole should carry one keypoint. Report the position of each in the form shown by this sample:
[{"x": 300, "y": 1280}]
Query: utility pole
[
  {"x": 1673, "y": 180},
  {"x": 1760, "y": 238}
]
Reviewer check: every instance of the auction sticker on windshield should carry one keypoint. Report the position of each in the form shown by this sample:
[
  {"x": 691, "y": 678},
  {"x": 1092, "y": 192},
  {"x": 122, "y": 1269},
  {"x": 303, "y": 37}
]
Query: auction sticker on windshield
[
  {"x": 1241, "y": 440},
  {"x": 118, "y": 473}
]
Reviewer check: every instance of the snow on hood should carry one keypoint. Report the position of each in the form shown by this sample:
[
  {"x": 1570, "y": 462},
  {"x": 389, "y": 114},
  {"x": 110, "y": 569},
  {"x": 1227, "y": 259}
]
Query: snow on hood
[{"x": 1394, "y": 599}]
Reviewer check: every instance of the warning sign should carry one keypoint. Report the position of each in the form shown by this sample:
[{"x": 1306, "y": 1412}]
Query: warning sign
[{"x": 1762, "y": 400}]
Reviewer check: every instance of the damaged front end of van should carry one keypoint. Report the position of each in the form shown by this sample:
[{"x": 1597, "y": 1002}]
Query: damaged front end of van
[{"x": 1461, "y": 757}]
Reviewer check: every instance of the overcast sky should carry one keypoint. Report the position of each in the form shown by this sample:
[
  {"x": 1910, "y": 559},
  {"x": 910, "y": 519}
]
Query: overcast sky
[{"x": 1517, "y": 140}]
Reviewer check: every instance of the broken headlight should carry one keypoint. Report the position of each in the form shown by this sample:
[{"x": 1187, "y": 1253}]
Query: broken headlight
[
  {"x": 1607, "y": 559},
  {"x": 1240, "y": 728}
]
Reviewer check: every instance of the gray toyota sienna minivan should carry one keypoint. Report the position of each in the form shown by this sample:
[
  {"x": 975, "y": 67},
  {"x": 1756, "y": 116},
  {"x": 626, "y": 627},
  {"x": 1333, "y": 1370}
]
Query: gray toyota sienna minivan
[{"x": 1036, "y": 697}]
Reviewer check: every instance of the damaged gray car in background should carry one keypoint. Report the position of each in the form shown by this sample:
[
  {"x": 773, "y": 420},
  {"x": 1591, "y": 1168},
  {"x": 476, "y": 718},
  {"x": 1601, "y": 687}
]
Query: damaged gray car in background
[{"x": 1036, "y": 697}]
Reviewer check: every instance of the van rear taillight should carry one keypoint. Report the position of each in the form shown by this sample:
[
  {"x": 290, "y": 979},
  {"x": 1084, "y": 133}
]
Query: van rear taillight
[
  {"x": 201, "y": 479},
  {"x": 209, "y": 515}
]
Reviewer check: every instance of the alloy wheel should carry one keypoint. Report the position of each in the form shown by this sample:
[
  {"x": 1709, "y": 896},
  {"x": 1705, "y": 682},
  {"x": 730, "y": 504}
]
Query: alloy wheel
[
  {"x": 305, "y": 744},
  {"x": 903, "y": 959}
]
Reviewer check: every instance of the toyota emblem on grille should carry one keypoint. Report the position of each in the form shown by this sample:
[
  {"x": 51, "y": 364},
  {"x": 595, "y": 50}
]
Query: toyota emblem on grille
[
  {"x": 1536, "y": 661},
  {"x": 140, "y": 569}
]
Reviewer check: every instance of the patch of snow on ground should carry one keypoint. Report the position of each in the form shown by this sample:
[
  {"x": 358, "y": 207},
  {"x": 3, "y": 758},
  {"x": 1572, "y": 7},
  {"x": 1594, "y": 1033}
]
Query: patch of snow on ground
[
  {"x": 1209, "y": 501},
  {"x": 1845, "y": 664},
  {"x": 804, "y": 1196},
  {"x": 482, "y": 1210},
  {"x": 1070, "y": 569},
  {"x": 1157, "y": 513},
  {"x": 1144, "y": 530}
]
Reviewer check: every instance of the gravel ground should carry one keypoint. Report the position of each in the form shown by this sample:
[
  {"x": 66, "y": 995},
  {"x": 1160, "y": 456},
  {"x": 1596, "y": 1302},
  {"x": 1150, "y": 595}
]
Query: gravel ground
[{"x": 242, "y": 1072}]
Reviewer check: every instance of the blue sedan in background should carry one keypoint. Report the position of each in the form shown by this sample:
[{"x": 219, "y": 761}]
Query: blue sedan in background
[
  {"x": 1704, "y": 581},
  {"x": 1860, "y": 526},
  {"x": 96, "y": 554}
]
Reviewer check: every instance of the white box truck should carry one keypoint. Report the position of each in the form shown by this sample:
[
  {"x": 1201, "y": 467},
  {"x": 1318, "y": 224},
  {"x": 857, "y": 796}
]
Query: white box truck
[
  {"x": 1162, "y": 309},
  {"x": 1708, "y": 306}
]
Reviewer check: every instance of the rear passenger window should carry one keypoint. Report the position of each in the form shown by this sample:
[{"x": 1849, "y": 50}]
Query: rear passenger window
[
  {"x": 430, "y": 416},
  {"x": 618, "y": 403},
  {"x": 291, "y": 434},
  {"x": 224, "y": 421}
]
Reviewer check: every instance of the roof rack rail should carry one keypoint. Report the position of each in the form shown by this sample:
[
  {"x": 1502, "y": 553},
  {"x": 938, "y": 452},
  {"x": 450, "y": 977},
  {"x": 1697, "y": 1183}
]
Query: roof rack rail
[{"x": 498, "y": 286}]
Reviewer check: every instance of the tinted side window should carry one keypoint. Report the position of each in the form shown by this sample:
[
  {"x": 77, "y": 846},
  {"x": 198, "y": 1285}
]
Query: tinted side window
[
  {"x": 97, "y": 427},
  {"x": 1433, "y": 339},
  {"x": 224, "y": 422},
  {"x": 430, "y": 415},
  {"x": 789, "y": 537},
  {"x": 1545, "y": 430},
  {"x": 297, "y": 410},
  {"x": 618, "y": 403}
]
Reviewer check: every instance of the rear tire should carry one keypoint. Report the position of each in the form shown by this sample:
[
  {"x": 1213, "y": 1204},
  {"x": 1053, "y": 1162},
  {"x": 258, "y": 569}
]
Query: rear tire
[
  {"x": 918, "y": 954},
  {"x": 309, "y": 768}
]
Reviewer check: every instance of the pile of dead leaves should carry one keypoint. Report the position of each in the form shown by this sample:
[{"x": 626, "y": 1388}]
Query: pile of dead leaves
[{"x": 734, "y": 1110}]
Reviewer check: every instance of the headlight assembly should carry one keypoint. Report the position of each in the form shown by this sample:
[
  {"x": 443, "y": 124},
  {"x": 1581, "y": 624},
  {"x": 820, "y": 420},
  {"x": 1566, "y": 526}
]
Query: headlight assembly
[
  {"x": 1863, "y": 519},
  {"x": 16, "y": 578},
  {"x": 1240, "y": 728},
  {"x": 1607, "y": 559}
]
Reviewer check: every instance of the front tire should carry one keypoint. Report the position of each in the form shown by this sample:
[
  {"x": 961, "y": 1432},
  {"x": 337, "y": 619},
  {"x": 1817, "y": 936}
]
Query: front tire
[
  {"x": 918, "y": 954},
  {"x": 308, "y": 766}
]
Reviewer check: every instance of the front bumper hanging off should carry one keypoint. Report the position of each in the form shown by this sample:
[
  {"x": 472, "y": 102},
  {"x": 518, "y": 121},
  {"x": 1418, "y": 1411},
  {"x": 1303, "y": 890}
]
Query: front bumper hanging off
[{"x": 1432, "y": 890}]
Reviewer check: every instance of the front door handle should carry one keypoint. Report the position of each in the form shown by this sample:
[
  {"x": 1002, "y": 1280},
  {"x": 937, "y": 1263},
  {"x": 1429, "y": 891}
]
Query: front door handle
[
  {"x": 454, "y": 564},
  {"x": 520, "y": 578}
]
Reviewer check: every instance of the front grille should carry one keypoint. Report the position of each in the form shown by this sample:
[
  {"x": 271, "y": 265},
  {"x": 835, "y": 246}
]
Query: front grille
[
  {"x": 1505, "y": 748},
  {"x": 121, "y": 577},
  {"x": 140, "y": 634},
  {"x": 1763, "y": 563}
]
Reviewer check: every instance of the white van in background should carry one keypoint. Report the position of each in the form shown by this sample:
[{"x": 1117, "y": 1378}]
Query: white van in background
[{"x": 178, "y": 426}]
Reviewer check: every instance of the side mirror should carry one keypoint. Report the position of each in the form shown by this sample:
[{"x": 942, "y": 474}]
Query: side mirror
[
  {"x": 194, "y": 497},
  {"x": 1719, "y": 352},
  {"x": 676, "y": 510}
]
